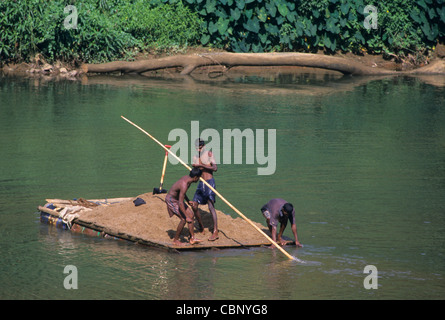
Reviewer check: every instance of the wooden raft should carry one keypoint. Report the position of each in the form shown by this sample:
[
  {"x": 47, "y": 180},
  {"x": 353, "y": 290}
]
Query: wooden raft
[{"x": 149, "y": 224}]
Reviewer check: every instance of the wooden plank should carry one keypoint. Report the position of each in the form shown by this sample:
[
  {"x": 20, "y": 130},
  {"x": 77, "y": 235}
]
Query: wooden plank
[
  {"x": 114, "y": 232},
  {"x": 101, "y": 201},
  {"x": 47, "y": 210},
  {"x": 110, "y": 232}
]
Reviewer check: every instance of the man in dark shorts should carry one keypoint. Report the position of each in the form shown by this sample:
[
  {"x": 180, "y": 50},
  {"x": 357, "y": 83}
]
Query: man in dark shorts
[
  {"x": 279, "y": 210},
  {"x": 176, "y": 205},
  {"x": 204, "y": 195}
]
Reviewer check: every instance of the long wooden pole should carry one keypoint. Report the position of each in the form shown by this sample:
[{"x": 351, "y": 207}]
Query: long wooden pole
[{"x": 216, "y": 192}]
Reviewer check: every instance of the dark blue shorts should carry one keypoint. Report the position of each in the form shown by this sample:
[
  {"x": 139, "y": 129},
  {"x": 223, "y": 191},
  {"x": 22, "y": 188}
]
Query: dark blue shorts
[{"x": 203, "y": 192}]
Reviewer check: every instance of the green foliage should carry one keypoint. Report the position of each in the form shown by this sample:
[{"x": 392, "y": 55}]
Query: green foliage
[
  {"x": 116, "y": 29},
  {"x": 37, "y": 26},
  {"x": 160, "y": 25},
  {"x": 430, "y": 16},
  {"x": 98, "y": 37},
  {"x": 306, "y": 25},
  {"x": 396, "y": 34},
  {"x": 25, "y": 27},
  {"x": 106, "y": 29}
]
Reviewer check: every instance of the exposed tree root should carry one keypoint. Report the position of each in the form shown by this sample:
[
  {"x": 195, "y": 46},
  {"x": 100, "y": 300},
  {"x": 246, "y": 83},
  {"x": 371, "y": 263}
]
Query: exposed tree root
[
  {"x": 188, "y": 63},
  {"x": 191, "y": 62}
]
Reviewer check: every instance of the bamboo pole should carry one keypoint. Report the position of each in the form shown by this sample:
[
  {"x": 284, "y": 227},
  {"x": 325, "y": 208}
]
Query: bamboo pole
[{"x": 216, "y": 192}]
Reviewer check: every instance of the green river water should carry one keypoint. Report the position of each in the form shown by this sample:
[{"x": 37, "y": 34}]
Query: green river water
[{"x": 361, "y": 159}]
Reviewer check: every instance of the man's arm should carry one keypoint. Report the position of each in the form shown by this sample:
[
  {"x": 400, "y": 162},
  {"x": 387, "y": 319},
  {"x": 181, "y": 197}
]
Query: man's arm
[
  {"x": 214, "y": 167},
  {"x": 211, "y": 166},
  {"x": 274, "y": 233},
  {"x": 294, "y": 230},
  {"x": 182, "y": 195},
  {"x": 282, "y": 227},
  {"x": 187, "y": 199}
]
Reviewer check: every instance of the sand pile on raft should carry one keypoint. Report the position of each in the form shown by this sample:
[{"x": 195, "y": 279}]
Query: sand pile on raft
[{"x": 150, "y": 221}]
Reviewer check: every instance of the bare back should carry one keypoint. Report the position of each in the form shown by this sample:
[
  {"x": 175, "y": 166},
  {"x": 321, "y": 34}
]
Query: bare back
[{"x": 179, "y": 188}]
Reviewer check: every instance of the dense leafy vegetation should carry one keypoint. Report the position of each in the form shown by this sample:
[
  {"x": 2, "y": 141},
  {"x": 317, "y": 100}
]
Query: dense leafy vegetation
[
  {"x": 115, "y": 29},
  {"x": 106, "y": 29},
  {"x": 281, "y": 25}
]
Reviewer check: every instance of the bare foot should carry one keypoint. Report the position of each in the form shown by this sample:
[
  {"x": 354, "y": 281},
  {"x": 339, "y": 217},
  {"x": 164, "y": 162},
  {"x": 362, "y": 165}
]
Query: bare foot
[
  {"x": 178, "y": 243},
  {"x": 194, "y": 241},
  {"x": 214, "y": 236}
]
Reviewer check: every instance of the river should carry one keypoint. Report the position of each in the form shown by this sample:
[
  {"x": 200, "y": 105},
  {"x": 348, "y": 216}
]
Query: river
[{"x": 361, "y": 159}]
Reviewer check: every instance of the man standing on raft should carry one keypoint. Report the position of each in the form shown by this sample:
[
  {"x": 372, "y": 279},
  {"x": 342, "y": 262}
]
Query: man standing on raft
[
  {"x": 176, "y": 205},
  {"x": 279, "y": 210},
  {"x": 204, "y": 195}
]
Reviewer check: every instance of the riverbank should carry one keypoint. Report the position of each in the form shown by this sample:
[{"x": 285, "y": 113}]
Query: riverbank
[{"x": 39, "y": 67}]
